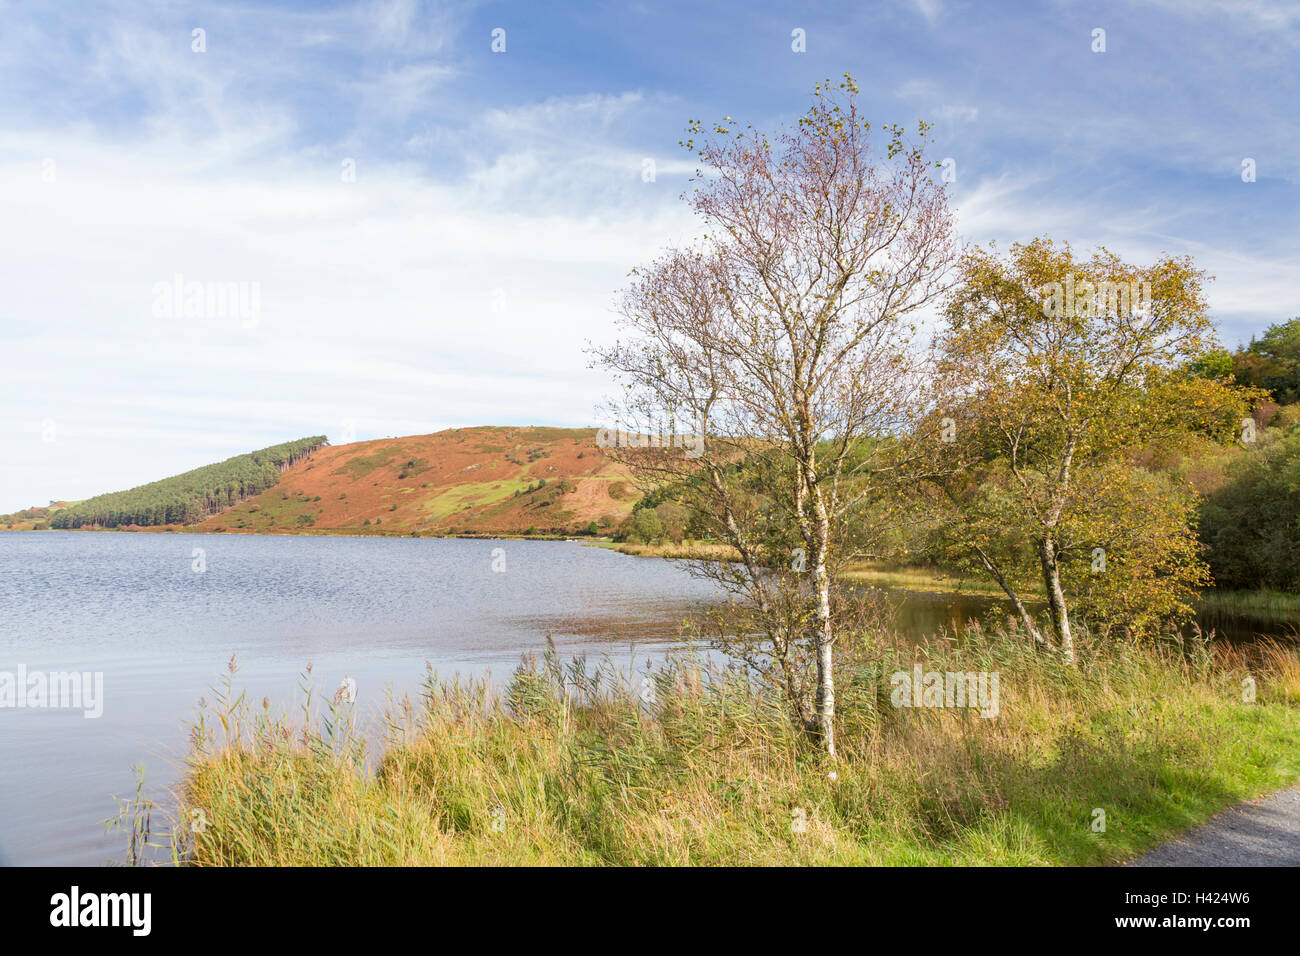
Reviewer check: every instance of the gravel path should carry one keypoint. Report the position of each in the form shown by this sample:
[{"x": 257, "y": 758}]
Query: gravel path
[{"x": 1265, "y": 832}]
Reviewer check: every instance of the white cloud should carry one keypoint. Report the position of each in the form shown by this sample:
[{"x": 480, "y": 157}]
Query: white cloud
[
  {"x": 1269, "y": 15},
  {"x": 1251, "y": 289},
  {"x": 397, "y": 93},
  {"x": 930, "y": 9},
  {"x": 398, "y": 299},
  {"x": 952, "y": 111}
]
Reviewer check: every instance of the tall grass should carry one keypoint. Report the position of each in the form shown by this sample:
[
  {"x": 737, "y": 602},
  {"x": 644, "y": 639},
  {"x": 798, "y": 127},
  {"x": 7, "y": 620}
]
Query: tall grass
[{"x": 584, "y": 764}]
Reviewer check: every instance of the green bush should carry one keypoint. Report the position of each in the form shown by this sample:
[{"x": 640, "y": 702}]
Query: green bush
[
  {"x": 647, "y": 526},
  {"x": 1251, "y": 524}
]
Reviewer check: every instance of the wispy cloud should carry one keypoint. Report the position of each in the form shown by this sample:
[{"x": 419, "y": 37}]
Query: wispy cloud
[{"x": 500, "y": 199}]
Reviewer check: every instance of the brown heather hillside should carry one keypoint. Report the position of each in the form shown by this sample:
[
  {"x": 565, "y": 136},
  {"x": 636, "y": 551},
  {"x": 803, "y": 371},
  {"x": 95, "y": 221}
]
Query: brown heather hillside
[{"x": 461, "y": 481}]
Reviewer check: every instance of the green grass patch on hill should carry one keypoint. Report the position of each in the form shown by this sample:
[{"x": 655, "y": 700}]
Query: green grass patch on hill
[{"x": 480, "y": 494}]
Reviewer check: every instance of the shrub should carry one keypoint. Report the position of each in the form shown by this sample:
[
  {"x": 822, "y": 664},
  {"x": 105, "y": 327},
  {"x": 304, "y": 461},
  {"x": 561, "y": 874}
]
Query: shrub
[{"x": 647, "y": 526}]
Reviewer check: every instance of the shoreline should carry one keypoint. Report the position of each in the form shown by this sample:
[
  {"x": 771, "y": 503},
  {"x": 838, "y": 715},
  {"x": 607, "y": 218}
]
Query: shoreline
[{"x": 1273, "y": 606}]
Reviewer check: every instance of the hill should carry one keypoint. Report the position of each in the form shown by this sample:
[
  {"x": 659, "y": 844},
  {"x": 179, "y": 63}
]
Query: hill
[
  {"x": 36, "y": 518},
  {"x": 188, "y": 497},
  {"x": 487, "y": 480}
]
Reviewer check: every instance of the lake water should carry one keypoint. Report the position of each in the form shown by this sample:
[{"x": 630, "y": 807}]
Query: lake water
[{"x": 135, "y": 608}]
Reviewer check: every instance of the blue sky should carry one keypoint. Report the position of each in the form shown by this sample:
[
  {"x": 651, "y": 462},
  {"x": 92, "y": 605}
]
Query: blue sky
[{"x": 499, "y": 201}]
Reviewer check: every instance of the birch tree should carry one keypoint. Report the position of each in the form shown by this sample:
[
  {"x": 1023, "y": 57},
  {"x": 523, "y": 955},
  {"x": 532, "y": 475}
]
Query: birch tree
[
  {"x": 781, "y": 341},
  {"x": 1060, "y": 370}
]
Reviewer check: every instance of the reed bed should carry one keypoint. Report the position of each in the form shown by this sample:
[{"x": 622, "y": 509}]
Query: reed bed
[{"x": 581, "y": 764}]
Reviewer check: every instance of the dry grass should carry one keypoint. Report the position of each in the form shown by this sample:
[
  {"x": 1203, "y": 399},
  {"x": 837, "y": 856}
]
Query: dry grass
[
  {"x": 687, "y": 550},
  {"x": 872, "y": 573},
  {"x": 920, "y": 579},
  {"x": 572, "y": 766}
]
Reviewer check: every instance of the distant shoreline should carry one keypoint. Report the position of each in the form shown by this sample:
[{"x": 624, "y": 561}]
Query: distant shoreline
[{"x": 1261, "y": 603}]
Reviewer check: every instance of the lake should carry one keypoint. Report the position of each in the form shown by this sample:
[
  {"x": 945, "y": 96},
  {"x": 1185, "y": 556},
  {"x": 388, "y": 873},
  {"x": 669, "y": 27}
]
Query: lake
[
  {"x": 159, "y": 621},
  {"x": 135, "y": 607}
]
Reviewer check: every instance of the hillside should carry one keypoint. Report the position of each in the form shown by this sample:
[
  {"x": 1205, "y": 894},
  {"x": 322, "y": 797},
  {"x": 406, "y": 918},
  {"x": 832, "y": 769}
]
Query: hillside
[
  {"x": 189, "y": 497},
  {"x": 488, "y": 480},
  {"x": 36, "y": 518}
]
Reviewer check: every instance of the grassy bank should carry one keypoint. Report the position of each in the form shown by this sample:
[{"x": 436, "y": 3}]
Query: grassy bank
[
  {"x": 686, "y": 551},
  {"x": 920, "y": 579},
  {"x": 1267, "y": 605},
  {"x": 1262, "y": 604},
  {"x": 572, "y": 766},
  {"x": 875, "y": 574}
]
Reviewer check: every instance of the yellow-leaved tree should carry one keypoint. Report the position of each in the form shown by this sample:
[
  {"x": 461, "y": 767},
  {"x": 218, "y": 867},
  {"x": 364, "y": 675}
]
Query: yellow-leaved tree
[{"x": 1058, "y": 371}]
